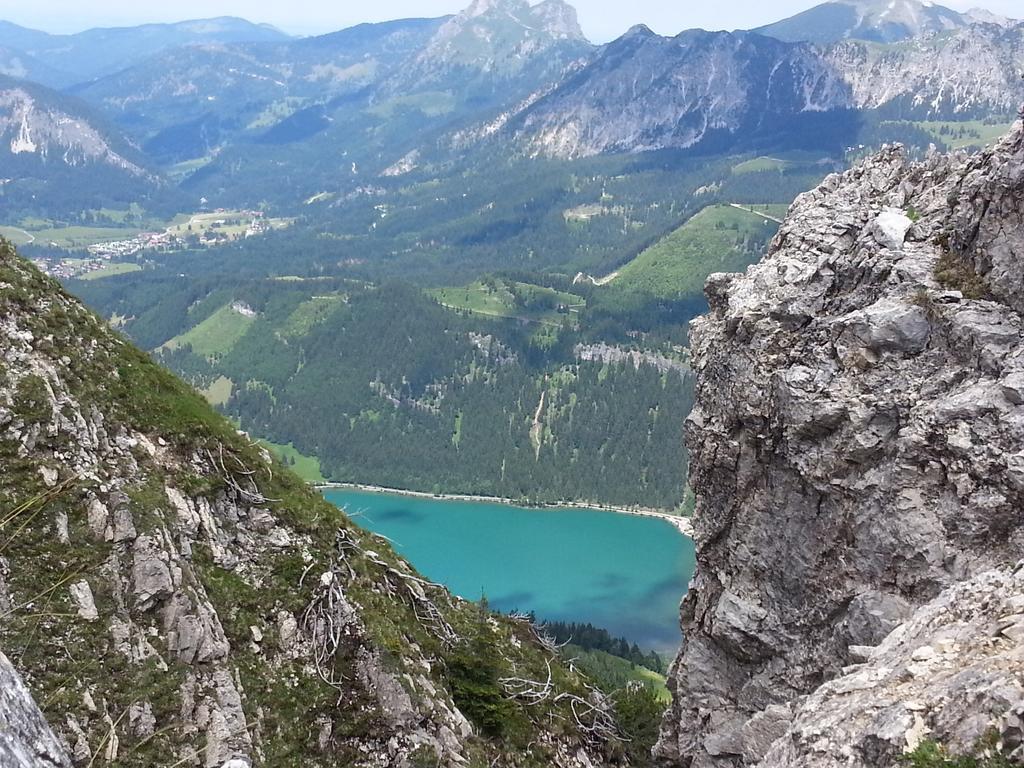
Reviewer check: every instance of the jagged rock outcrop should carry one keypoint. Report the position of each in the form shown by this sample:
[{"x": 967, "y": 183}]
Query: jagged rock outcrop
[
  {"x": 950, "y": 674},
  {"x": 174, "y": 597},
  {"x": 26, "y": 740},
  {"x": 857, "y": 450}
]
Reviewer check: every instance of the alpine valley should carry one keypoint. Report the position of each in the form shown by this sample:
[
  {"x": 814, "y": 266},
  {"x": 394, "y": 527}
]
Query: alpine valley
[{"x": 763, "y": 284}]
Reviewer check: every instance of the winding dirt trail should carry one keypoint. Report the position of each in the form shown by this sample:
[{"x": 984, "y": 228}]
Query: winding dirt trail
[{"x": 765, "y": 216}]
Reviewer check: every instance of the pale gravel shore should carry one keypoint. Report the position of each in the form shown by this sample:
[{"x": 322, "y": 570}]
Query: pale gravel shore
[{"x": 681, "y": 524}]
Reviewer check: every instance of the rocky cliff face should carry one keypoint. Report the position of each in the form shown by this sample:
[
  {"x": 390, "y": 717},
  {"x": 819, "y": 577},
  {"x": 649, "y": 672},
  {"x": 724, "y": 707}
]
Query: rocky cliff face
[
  {"x": 645, "y": 92},
  {"x": 56, "y": 148},
  {"x": 858, "y": 460},
  {"x": 34, "y": 125},
  {"x": 173, "y": 597},
  {"x": 973, "y": 71}
]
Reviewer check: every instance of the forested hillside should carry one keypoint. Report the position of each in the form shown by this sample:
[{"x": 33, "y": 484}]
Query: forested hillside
[
  {"x": 385, "y": 385},
  {"x": 506, "y": 339}
]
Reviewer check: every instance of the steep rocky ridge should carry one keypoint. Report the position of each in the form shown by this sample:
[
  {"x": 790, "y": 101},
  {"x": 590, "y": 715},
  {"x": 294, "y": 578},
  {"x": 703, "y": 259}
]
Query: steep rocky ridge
[
  {"x": 173, "y": 597},
  {"x": 971, "y": 72},
  {"x": 647, "y": 92},
  {"x": 857, "y": 455},
  {"x": 44, "y": 125}
]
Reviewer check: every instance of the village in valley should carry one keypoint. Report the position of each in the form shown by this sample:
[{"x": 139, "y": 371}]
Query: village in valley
[{"x": 106, "y": 257}]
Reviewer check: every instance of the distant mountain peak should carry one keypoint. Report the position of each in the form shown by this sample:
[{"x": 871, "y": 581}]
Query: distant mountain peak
[
  {"x": 500, "y": 36},
  {"x": 883, "y": 21},
  {"x": 984, "y": 16},
  {"x": 560, "y": 19},
  {"x": 483, "y": 7},
  {"x": 640, "y": 30},
  {"x": 554, "y": 18}
]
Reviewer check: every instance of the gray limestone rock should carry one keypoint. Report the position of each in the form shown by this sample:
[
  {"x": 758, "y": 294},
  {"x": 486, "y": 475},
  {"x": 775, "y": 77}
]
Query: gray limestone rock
[
  {"x": 26, "y": 740},
  {"x": 857, "y": 454}
]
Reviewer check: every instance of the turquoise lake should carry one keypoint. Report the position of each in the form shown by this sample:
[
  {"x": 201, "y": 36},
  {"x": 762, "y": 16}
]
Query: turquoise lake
[{"x": 624, "y": 573}]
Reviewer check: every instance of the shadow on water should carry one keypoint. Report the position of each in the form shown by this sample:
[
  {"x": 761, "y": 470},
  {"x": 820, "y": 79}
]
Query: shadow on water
[{"x": 398, "y": 514}]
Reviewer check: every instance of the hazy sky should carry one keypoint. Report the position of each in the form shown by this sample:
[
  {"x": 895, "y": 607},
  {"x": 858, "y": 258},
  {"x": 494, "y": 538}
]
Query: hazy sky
[{"x": 602, "y": 20}]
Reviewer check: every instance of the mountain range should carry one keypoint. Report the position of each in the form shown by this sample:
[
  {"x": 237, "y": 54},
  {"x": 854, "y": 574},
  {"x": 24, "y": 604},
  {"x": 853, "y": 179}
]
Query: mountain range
[
  {"x": 96, "y": 52},
  {"x": 480, "y": 255},
  {"x": 231, "y": 99}
]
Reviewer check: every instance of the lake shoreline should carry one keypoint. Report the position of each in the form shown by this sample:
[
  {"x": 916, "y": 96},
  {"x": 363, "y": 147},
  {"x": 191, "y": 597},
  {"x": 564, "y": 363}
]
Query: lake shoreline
[{"x": 681, "y": 524}]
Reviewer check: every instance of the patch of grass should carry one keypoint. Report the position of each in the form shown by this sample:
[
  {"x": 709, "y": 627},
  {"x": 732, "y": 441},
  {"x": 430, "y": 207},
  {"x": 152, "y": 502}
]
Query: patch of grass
[
  {"x": 277, "y": 111},
  {"x": 518, "y": 300},
  {"x": 612, "y": 673},
  {"x": 219, "y": 392},
  {"x": 931, "y": 754},
  {"x": 966, "y": 134},
  {"x": 216, "y": 335},
  {"x": 758, "y": 164},
  {"x": 957, "y": 274},
  {"x": 183, "y": 170},
  {"x": 81, "y": 237},
  {"x": 306, "y": 467},
  {"x": 16, "y": 235},
  {"x": 31, "y": 399},
  {"x": 718, "y": 239},
  {"x": 310, "y": 314},
  {"x": 229, "y": 224}
]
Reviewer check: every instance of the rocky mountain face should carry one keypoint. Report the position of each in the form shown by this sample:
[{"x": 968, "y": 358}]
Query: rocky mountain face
[
  {"x": 48, "y": 128},
  {"x": 172, "y": 596},
  {"x": 491, "y": 45},
  {"x": 857, "y": 450},
  {"x": 56, "y": 148},
  {"x": 972, "y": 72},
  {"x": 189, "y": 102},
  {"x": 498, "y": 35},
  {"x": 645, "y": 92},
  {"x": 880, "y": 21}
]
